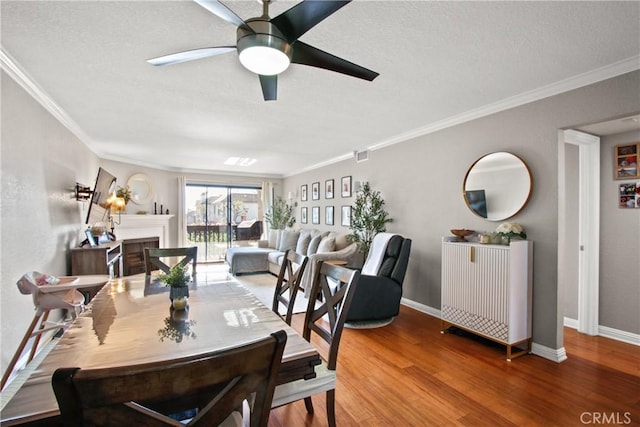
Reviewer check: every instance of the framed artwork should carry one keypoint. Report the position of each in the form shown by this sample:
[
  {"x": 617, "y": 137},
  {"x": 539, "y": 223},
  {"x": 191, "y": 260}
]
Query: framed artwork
[
  {"x": 303, "y": 193},
  {"x": 345, "y": 186},
  {"x": 328, "y": 215},
  {"x": 345, "y": 220},
  {"x": 629, "y": 195},
  {"x": 315, "y": 191},
  {"x": 315, "y": 215},
  {"x": 303, "y": 215},
  {"x": 625, "y": 157},
  {"x": 328, "y": 189}
]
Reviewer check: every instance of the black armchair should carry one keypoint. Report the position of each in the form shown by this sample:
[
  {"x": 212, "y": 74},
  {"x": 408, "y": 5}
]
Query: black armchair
[{"x": 379, "y": 290}]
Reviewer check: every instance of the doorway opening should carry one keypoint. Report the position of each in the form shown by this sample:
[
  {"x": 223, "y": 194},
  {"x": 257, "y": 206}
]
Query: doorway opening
[{"x": 220, "y": 217}]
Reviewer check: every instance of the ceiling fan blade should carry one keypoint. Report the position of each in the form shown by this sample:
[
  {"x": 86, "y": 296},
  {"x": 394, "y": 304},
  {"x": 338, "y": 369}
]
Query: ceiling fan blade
[
  {"x": 309, "y": 55},
  {"x": 302, "y": 17},
  {"x": 190, "y": 55},
  {"x": 223, "y": 12},
  {"x": 269, "y": 87}
]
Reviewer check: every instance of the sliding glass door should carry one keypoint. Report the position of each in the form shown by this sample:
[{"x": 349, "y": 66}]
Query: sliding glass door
[{"x": 220, "y": 217}]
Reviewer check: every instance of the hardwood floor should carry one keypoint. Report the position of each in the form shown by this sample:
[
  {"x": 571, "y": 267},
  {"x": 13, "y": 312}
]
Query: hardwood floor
[{"x": 409, "y": 374}]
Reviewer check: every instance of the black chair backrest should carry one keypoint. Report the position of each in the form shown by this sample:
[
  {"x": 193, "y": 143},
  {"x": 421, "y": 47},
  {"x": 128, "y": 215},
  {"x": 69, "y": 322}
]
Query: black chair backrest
[
  {"x": 331, "y": 294},
  {"x": 288, "y": 283},
  {"x": 396, "y": 259},
  {"x": 152, "y": 259},
  {"x": 207, "y": 387}
]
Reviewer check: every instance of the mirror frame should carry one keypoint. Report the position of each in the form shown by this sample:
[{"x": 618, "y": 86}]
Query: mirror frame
[
  {"x": 144, "y": 178},
  {"x": 524, "y": 203}
]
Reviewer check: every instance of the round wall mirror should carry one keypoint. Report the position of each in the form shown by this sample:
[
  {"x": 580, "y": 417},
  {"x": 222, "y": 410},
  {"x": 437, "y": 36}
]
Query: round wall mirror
[
  {"x": 497, "y": 186},
  {"x": 141, "y": 188}
]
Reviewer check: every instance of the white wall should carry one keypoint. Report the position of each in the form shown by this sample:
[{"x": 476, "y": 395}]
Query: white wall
[
  {"x": 41, "y": 162},
  {"x": 421, "y": 181}
]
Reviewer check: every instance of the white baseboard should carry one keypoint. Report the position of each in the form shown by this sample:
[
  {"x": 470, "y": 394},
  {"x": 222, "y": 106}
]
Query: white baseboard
[
  {"x": 607, "y": 332},
  {"x": 555, "y": 355}
]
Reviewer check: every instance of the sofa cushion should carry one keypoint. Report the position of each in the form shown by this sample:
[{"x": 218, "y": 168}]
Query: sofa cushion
[
  {"x": 274, "y": 257},
  {"x": 342, "y": 241},
  {"x": 288, "y": 240},
  {"x": 274, "y": 238},
  {"x": 327, "y": 244},
  {"x": 313, "y": 245},
  {"x": 303, "y": 242}
]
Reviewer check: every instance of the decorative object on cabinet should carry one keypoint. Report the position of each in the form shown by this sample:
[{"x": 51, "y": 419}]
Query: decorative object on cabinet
[
  {"x": 315, "y": 191},
  {"x": 141, "y": 188},
  {"x": 461, "y": 233},
  {"x": 102, "y": 259},
  {"x": 345, "y": 220},
  {"x": 487, "y": 290},
  {"x": 497, "y": 186},
  {"x": 368, "y": 217},
  {"x": 626, "y": 161},
  {"x": 345, "y": 186},
  {"x": 303, "y": 193},
  {"x": 328, "y": 215},
  {"x": 510, "y": 230},
  {"x": 328, "y": 189},
  {"x": 629, "y": 196}
]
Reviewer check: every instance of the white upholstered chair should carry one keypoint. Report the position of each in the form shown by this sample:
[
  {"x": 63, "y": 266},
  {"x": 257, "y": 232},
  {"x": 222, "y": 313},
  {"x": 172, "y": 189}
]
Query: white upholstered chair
[{"x": 333, "y": 286}]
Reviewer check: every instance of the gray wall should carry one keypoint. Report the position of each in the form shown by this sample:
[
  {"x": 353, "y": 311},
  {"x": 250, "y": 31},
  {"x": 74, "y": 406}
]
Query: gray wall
[
  {"x": 619, "y": 246},
  {"x": 41, "y": 162},
  {"x": 421, "y": 181}
]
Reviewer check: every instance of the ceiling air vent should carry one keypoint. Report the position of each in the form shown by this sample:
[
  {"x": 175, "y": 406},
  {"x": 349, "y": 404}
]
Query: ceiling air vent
[{"x": 361, "y": 156}]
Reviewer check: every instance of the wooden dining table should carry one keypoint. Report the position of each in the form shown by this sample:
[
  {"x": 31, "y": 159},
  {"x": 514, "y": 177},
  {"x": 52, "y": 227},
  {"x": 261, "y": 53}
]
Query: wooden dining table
[{"x": 130, "y": 321}]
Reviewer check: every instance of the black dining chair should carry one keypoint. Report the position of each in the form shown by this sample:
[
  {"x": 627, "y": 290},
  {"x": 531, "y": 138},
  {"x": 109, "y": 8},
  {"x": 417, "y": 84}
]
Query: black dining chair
[
  {"x": 288, "y": 283},
  {"x": 202, "y": 390},
  {"x": 331, "y": 295}
]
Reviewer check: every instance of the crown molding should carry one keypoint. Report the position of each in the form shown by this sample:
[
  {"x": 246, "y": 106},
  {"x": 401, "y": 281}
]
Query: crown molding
[{"x": 13, "y": 70}]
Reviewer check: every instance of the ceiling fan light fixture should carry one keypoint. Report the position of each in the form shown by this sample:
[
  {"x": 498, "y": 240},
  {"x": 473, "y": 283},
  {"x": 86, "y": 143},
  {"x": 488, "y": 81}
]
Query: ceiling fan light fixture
[{"x": 264, "y": 60}]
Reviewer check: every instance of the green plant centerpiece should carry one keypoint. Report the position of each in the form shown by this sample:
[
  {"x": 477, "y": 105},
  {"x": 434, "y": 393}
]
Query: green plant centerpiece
[
  {"x": 280, "y": 215},
  {"x": 368, "y": 217},
  {"x": 177, "y": 279}
]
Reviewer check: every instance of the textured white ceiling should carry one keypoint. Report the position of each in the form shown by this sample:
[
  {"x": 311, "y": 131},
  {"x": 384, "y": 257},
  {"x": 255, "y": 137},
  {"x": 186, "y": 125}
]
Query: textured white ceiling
[{"x": 438, "y": 62}]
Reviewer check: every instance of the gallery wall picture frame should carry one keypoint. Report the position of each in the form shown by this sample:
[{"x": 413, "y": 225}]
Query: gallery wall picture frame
[
  {"x": 345, "y": 186},
  {"x": 345, "y": 219},
  {"x": 315, "y": 191},
  {"x": 328, "y": 189},
  {"x": 625, "y": 159},
  {"x": 303, "y": 193},
  {"x": 629, "y": 195},
  {"x": 328, "y": 215},
  {"x": 315, "y": 215},
  {"x": 303, "y": 215}
]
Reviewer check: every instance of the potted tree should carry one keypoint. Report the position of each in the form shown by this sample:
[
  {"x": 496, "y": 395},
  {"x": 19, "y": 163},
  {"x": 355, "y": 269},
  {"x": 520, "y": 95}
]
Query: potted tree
[
  {"x": 177, "y": 279},
  {"x": 280, "y": 215},
  {"x": 368, "y": 217}
]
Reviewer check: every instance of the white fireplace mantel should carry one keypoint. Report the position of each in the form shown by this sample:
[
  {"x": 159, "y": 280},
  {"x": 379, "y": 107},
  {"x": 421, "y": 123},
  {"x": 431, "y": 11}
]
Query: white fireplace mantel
[{"x": 135, "y": 226}]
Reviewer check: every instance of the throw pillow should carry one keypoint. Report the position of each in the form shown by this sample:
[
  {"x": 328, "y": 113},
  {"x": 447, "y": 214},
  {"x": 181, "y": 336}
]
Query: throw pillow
[
  {"x": 313, "y": 245},
  {"x": 288, "y": 240},
  {"x": 303, "y": 243},
  {"x": 327, "y": 244},
  {"x": 274, "y": 238}
]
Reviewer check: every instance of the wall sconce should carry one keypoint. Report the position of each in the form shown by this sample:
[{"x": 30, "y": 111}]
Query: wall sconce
[
  {"x": 292, "y": 198},
  {"x": 83, "y": 192}
]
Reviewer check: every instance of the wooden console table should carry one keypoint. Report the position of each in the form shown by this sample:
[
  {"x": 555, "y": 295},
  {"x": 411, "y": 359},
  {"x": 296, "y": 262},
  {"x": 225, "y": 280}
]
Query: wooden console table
[{"x": 101, "y": 259}]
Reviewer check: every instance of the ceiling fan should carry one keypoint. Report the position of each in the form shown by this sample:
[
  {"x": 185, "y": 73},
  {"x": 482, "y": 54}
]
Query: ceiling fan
[{"x": 267, "y": 46}]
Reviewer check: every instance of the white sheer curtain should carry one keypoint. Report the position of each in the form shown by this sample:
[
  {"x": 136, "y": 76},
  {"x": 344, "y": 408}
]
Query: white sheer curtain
[
  {"x": 182, "y": 220},
  {"x": 267, "y": 202}
]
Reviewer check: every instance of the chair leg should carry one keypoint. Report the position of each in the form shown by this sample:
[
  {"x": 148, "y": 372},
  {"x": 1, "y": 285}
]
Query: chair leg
[
  {"x": 331, "y": 408},
  {"x": 34, "y": 347},
  {"x": 21, "y": 347},
  {"x": 308, "y": 404}
]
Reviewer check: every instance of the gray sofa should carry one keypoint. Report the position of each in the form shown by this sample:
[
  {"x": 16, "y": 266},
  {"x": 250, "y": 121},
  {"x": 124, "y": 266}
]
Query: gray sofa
[{"x": 317, "y": 245}]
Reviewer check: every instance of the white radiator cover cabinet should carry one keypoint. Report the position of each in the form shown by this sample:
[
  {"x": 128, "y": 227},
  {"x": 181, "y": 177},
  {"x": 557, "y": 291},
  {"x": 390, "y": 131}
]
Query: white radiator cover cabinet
[{"x": 487, "y": 289}]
